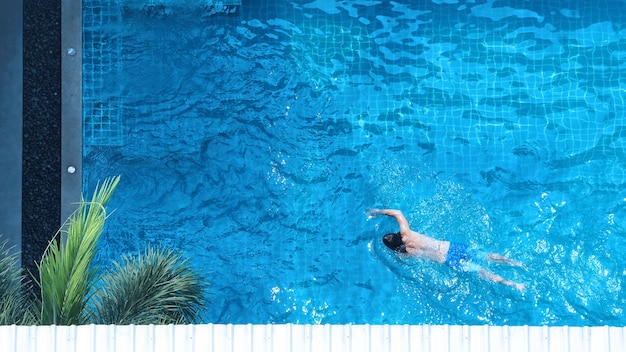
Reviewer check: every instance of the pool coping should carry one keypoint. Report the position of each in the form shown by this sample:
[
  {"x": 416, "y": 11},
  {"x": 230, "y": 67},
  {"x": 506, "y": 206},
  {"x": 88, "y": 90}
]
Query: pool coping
[
  {"x": 71, "y": 106},
  {"x": 11, "y": 122},
  {"x": 296, "y": 337}
]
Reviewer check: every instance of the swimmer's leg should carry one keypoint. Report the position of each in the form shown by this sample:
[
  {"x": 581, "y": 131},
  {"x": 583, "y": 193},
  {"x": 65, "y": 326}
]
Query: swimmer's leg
[
  {"x": 497, "y": 258},
  {"x": 489, "y": 276}
]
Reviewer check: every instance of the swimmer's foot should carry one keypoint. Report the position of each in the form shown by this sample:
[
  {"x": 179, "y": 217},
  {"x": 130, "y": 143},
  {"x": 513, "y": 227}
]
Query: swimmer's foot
[
  {"x": 514, "y": 263},
  {"x": 520, "y": 287}
]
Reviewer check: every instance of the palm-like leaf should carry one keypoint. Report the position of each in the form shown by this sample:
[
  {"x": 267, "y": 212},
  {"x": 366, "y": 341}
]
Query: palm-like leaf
[
  {"x": 15, "y": 306},
  {"x": 158, "y": 287},
  {"x": 66, "y": 276}
]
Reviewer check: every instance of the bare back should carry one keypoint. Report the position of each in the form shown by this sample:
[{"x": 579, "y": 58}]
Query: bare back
[{"x": 422, "y": 246}]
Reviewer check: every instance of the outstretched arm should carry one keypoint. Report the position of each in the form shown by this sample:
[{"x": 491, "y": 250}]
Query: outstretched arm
[{"x": 405, "y": 229}]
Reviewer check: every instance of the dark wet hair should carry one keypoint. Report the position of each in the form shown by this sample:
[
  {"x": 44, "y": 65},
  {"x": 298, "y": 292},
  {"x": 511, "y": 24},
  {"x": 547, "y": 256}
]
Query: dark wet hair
[{"x": 394, "y": 241}]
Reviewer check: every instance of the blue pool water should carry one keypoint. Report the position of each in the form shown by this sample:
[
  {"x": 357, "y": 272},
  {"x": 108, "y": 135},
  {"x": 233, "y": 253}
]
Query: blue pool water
[{"x": 255, "y": 142}]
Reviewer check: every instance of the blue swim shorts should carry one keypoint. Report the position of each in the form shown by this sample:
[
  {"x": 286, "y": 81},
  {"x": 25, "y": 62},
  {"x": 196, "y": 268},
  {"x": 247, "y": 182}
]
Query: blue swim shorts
[{"x": 459, "y": 256}]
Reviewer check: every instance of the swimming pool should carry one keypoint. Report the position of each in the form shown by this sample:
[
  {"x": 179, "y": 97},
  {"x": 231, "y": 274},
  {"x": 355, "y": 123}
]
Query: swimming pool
[{"x": 255, "y": 142}]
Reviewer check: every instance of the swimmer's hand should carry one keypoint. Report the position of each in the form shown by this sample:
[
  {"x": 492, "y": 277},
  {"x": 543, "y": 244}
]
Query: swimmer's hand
[{"x": 373, "y": 213}]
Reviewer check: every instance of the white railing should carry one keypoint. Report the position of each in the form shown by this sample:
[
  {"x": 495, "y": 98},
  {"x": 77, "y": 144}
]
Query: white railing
[{"x": 303, "y": 338}]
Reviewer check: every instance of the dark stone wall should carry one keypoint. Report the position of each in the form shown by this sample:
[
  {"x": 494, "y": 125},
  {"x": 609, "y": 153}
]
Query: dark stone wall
[{"x": 41, "y": 178}]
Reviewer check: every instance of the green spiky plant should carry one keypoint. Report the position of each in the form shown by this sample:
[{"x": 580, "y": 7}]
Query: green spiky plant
[
  {"x": 156, "y": 287},
  {"x": 66, "y": 276},
  {"x": 15, "y": 306}
]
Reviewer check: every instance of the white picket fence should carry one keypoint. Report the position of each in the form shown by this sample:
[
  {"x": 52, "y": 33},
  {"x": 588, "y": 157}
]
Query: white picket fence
[{"x": 305, "y": 338}]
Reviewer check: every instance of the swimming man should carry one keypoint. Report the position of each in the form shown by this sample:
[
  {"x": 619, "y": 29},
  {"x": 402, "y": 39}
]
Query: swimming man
[{"x": 457, "y": 256}]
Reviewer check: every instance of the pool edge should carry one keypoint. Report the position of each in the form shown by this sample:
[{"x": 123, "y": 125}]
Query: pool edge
[
  {"x": 11, "y": 107},
  {"x": 71, "y": 106}
]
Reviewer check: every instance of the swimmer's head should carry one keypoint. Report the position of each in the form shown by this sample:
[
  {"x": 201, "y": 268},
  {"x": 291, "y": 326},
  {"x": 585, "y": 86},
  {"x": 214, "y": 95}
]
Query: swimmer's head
[{"x": 394, "y": 241}]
